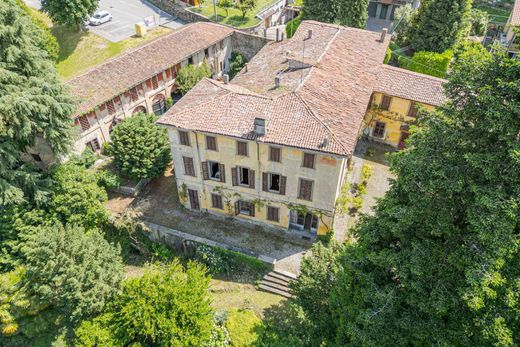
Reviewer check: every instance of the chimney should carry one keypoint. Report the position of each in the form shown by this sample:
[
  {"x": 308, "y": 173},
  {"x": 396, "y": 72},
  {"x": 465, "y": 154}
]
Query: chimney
[
  {"x": 245, "y": 65},
  {"x": 277, "y": 82},
  {"x": 277, "y": 34},
  {"x": 259, "y": 126},
  {"x": 225, "y": 77},
  {"x": 383, "y": 34},
  {"x": 309, "y": 34}
]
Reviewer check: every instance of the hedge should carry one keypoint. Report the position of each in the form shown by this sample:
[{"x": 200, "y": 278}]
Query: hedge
[{"x": 430, "y": 63}]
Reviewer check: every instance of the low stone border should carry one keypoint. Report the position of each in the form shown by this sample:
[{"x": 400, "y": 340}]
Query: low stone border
[
  {"x": 133, "y": 191},
  {"x": 170, "y": 236}
]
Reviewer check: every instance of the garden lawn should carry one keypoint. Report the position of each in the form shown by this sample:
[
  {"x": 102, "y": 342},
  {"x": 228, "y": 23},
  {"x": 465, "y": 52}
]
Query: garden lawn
[
  {"x": 235, "y": 16},
  {"x": 82, "y": 50},
  {"x": 496, "y": 15}
]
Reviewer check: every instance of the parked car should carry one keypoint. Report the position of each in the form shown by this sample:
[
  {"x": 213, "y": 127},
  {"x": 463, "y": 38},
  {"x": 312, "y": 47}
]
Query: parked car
[{"x": 100, "y": 18}]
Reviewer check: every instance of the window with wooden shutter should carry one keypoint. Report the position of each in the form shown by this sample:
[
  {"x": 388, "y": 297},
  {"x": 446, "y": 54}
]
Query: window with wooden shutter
[
  {"x": 184, "y": 138},
  {"x": 252, "y": 179},
  {"x": 94, "y": 145},
  {"x": 214, "y": 171},
  {"x": 149, "y": 84},
  {"x": 283, "y": 184},
  {"x": 83, "y": 121},
  {"x": 273, "y": 214},
  {"x": 242, "y": 148},
  {"x": 379, "y": 130},
  {"x": 160, "y": 77},
  {"x": 168, "y": 74},
  {"x": 275, "y": 154},
  {"x": 308, "y": 160},
  {"x": 211, "y": 143},
  {"x": 155, "y": 84},
  {"x": 245, "y": 207},
  {"x": 265, "y": 181},
  {"x": 412, "y": 111},
  {"x": 205, "y": 170},
  {"x": 216, "y": 201},
  {"x": 133, "y": 94},
  {"x": 385, "y": 103},
  {"x": 189, "y": 169},
  {"x": 222, "y": 173},
  {"x": 234, "y": 176},
  {"x": 305, "y": 192},
  {"x": 244, "y": 177},
  {"x": 111, "y": 108}
]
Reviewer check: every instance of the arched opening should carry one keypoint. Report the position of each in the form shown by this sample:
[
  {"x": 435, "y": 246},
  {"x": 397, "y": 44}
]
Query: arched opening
[
  {"x": 139, "y": 109},
  {"x": 175, "y": 94},
  {"x": 159, "y": 104}
]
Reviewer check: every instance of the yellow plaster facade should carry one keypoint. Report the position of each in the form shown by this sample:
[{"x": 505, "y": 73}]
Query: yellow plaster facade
[
  {"x": 327, "y": 176},
  {"x": 396, "y": 119}
]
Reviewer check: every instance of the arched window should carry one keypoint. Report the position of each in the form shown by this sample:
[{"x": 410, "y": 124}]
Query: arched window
[
  {"x": 138, "y": 109},
  {"x": 159, "y": 104}
]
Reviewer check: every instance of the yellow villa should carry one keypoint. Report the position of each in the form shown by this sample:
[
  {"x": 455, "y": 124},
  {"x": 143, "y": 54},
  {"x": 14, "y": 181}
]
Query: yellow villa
[{"x": 273, "y": 145}]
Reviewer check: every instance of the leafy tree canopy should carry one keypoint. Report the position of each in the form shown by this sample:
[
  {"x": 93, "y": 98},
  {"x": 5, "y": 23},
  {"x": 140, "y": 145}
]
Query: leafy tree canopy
[
  {"x": 75, "y": 272},
  {"x": 70, "y": 12},
  {"x": 140, "y": 147},
  {"x": 238, "y": 60},
  {"x": 225, "y": 5},
  {"x": 352, "y": 13},
  {"x": 429, "y": 63},
  {"x": 33, "y": 105},
  {"x": 190, "y": 75},
  {"x": 439, "y": 261},
  {"x": 245, "y": 6},
  {"x": 167, "y": 306},
  {"x": 440, "y": 24},
  {"x": 292, "y": 25}
]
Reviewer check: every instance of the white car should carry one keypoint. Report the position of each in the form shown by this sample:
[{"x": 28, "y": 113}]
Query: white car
[{"x": 100, "y": 18}]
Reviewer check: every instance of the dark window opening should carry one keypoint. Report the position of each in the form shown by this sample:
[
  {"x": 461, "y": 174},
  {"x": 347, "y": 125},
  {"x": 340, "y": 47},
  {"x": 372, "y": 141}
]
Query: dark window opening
[
  {"x": 36, "y": 157},
  {"x": 190, "y": 61},
  {"x": 379, "y": 130},
  {"x": 214, "y": 170},
  {"x": 412, "y": 111},
  {"x": 274, "y": 182},
  {"x": 245, "y": 208},
  {"x": 300, "y": 221},
  {"x": 243, "y": 176},
  {"x": 206, "y": 53},
  {"x": 94, "y": 145}
]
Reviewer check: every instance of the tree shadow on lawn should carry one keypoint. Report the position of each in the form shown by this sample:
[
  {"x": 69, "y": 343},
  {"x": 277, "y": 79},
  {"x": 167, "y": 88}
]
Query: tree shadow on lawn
[
  {"x": 236, "y": 21},
  {"x": 68, "y": 38}
]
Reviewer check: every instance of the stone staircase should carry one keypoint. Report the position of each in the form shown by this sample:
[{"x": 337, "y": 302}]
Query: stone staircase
[{"x": 277, "y": 282}]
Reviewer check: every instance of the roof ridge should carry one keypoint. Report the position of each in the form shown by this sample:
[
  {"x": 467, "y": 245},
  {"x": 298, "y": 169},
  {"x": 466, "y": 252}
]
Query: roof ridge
[
  {"x": 244, "y": 91},
  {"x": 311, "y": 111},
  {"x": 399, "y": 69}
]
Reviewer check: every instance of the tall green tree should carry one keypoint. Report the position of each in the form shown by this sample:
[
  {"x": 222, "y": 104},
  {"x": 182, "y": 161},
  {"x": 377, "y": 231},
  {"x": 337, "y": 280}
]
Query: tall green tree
[
  {"x": 190, "y": 75},
  {"x": 320, "y": 10},
  {"x": 75, "y": 272},
  {"x": 33, "y": 104},
  {"x": 439, "y": 262},
  {"x": 70, "y": 12},
  {"x": 440, "y": 24},
  {"x": 140, "y": 147},
  {"x": 353, "y": 13}
]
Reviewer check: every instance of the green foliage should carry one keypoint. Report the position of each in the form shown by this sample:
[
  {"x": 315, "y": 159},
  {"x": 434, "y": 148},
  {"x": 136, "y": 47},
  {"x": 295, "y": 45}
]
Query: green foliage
[
  {"x": 225, "y": 5},
  {"x": 167, "y": 306},
  {"x": 430, "y": 63},
  {"x": 219, "y": 336},
  {"x": 34, "y": 105},
  {"x": 222, "y": 261},
  {"x": 479, "y": 21},
  {"x": 238, "y": 60},
  {"x": 243, "y": 326},
  {"x": 77, "y": 198},
  {"x": 86, "y": 159},
  {"x": 107, "y": 179},
  {"x": 439, "y": 260},
  {"x": 316, "y": 281},
  {"x": 70, "y": 12},
  {"x": 190, "y": 75},
  {"x": 140, "y": 147},
  {"x": 353, "y": 13},
  {"x": 440, "y": 24},
  {"x": 292, "y": 25},
  {"x": 75, "y": 272},
  {"x": 96, "y": 332},
  {"x": 244, "y": 6},
  {"x": 388, "y": 56},
  {"x": 48, "y": 42},
  {"x": 403, "y": 19}
]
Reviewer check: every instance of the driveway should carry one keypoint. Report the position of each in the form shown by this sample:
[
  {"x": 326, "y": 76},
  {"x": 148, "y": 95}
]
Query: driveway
[{"x": 125, "y": 13}]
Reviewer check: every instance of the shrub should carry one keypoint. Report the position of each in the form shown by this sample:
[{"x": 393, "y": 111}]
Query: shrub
[
  {"x": 190, "y": 75},
  {"x": 479, "y": 21},
  {"x": 430, "y": 63},
  {"x": 140, "y": 147},
  {"x": 222, "y": 261},
  {"x": 107, "y": 179},
  {"x": 238, "y": 60},
  {"x": 87, "y": 158},
  {"x": 243, "y": 326},
  {"x": 292, "y": 25},
  {"x": 219, "y": 336}
]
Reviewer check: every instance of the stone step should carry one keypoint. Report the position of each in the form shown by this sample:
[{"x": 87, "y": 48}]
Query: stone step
[
  {"x": 286, "y": 274},
  {"x": 275, "y": 285},
  {"x": 274, "y": 290},
  {"x": 279, "y": 277},
  {"x": 269, "y": 278}
]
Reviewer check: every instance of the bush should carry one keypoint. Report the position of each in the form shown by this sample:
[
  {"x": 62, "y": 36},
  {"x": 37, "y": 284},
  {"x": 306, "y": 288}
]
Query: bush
[
  {"x": 292, "y": 25},
  {"x": 430, "y": 63},
  {"x": 87, "y": 158},
  {"x": 140, "y": 147},
  {"x": 219, "y": 336},
  {"x": 190, "y": 75},
  {"x": 479, "y": 21},
  {"x": 108, "y": 180},
  {"x": 238, "y": 60},
  {"x": 222, "y": 261},
  {"x": 243, "y": 327}
]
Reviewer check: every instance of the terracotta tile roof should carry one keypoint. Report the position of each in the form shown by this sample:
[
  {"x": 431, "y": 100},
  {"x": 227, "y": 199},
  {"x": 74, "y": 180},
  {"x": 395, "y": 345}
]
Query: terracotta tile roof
[
  {"x": 319, "y": 106},
  {"x": 231, "y": 110},
  {"x": 515, "y": 14},
  {"x": 119, "y": 74},
  {"x": 410, "y": 85}
]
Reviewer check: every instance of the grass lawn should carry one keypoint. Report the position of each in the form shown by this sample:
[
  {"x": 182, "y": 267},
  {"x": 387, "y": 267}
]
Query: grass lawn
[
  {"x": 234, "y": 17},
  {"x": 82, "y": 50},
  {"x": 496, "y": 15}
]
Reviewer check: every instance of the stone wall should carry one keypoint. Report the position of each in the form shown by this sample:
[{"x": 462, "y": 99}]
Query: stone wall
[{"x": 248, "y": 44}]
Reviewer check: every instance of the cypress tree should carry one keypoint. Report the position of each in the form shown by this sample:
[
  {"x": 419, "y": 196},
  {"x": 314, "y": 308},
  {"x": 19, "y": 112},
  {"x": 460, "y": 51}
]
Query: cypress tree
[
  {"x": 320, "y": 10},
  {"x": 440, "y": 24},
  {"x": 33, "y": 103},
  {"x": 353, "y": 13}
]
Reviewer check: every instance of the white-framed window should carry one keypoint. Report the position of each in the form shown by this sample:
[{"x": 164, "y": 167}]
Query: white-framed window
[
  {"x": 214, "y": 170},
  {"x": 274, "y": 182},
  {"x": 243, "y": 176}
]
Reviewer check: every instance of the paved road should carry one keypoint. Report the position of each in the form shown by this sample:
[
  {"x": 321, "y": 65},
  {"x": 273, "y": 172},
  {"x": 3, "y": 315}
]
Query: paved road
[{"x": 125, "y": 13}]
